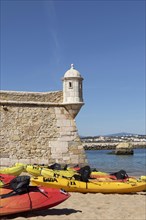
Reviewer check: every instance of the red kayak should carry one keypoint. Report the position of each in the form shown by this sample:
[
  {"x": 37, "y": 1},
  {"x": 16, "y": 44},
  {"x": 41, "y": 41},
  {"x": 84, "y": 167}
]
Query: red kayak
[
  {"x": 37, "y": 198},
  {"x": 5, "y": 178}
]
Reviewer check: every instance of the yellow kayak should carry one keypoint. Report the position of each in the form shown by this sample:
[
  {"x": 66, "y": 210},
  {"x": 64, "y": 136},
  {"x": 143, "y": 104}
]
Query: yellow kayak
[
  {"x": 35, "y": 166},
  {"x": 143, "y": 178},
  {"x": 33, "y": 170},
  {"x": 90, "y": 187},
  {"x": 57, "y": 173},
  {"x": 15, "y": 171},
  {"x": 1, "y": 183},
  {"x": 37, "y": 170},
  {"x": 20, "y": 165}
]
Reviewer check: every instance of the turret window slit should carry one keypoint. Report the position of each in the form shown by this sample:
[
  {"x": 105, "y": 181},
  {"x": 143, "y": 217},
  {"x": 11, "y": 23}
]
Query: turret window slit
[{"x": 70, "y": 85}]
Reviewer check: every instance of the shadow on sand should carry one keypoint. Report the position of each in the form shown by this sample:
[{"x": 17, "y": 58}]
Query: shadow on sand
[{"x": 46, "y": 212}]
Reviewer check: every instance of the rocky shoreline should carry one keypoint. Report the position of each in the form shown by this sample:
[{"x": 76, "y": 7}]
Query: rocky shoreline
[{"x": 109, "y": 146}]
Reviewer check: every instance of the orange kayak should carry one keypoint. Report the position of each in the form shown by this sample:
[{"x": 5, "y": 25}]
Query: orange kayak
[
  {"x": 5, "y": 179},
  {"x": 37, "y": 198}
]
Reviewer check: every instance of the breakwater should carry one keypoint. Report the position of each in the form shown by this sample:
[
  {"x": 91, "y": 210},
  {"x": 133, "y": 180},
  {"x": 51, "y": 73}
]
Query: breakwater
[{"x": 109, "y": 146}]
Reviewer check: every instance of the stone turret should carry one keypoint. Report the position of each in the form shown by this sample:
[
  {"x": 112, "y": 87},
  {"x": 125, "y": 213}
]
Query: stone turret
[{"x": 72, "y": 91}]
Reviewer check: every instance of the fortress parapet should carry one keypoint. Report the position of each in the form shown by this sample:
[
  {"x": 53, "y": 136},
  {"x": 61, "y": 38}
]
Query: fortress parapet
[{"x": 39, "y": 127}]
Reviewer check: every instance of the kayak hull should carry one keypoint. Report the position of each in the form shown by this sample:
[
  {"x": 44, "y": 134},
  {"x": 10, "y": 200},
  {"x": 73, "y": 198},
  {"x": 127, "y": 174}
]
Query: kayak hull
[
  {"x": 15, "y": 171},
  {"x": 90, "y": 187},
  {"x": 38, "y": 198}
]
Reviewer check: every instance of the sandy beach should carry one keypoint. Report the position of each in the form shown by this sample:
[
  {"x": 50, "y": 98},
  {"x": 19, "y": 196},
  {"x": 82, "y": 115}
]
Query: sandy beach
[{"x": 93, "y": 206}]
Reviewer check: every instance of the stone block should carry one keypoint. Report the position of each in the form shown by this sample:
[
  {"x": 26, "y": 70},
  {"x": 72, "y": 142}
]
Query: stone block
[
  {"x": 56, "y": 156},
  {"x": 58, "y": 146},
  {"x": 66, "y": 158},
  {"x": 80, "y": 147},
  {"x": 76, "y": 151},
  {"x": 72, "y": 147},
  {"x": 5, "y": 162},
  {"x": 25, "y": 161},
  {"x": 15, "y": 138}
]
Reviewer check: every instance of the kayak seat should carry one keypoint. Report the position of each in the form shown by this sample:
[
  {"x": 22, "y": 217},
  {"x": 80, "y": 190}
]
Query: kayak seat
[
  {"x": 65, "y": 167},
  {"x": 55, "y": 166},
  {"x": 84, "y": 174},
  {"x": 19, "y": 185},
  {"x": 120, "y": 175}
]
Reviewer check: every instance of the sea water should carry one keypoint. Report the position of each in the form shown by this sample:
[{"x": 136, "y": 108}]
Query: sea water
[{"x": 134, "y": 165}]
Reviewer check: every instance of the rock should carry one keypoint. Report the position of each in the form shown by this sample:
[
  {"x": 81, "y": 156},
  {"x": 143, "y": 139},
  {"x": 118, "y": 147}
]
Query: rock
[{"x": 124, "y": 149}]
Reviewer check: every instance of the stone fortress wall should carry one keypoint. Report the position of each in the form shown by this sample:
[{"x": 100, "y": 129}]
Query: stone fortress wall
[{"x": 38, "y": 128}]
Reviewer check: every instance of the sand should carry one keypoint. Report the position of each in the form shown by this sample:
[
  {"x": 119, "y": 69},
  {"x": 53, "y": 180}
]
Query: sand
[{"x": 93, "y": 206}]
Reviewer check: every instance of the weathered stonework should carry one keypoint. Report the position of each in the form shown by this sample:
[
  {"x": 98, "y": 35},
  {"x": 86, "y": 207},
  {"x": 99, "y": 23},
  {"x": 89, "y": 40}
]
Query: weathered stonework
[
  {"x": 52, "y": 97},
  {"x": 38, "y": 128}
]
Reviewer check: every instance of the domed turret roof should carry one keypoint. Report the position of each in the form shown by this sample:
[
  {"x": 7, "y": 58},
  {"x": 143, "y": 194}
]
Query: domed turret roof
[{"x": 72, "y": 72}]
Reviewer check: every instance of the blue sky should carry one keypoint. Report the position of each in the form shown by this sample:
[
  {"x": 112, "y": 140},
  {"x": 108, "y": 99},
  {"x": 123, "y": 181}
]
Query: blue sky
[{"x": 104, "y": 39}]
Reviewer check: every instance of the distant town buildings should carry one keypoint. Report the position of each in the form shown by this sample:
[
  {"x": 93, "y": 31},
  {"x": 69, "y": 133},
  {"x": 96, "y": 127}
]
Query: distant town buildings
[
  {"x": 133, "y": 138},
  {"x": 110, "y": 142}
]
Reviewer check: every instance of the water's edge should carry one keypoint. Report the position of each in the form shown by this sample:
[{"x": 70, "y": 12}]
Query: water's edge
[{"x": 103, "y": 161}]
